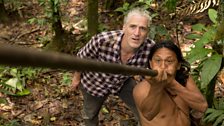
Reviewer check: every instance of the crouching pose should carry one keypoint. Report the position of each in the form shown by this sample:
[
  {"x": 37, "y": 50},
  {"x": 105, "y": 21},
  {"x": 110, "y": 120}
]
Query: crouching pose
[{"x": 168, "y": 98}]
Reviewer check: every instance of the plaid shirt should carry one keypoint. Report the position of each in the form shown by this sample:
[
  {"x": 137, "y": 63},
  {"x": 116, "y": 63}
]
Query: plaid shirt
[{"x": 105, "y": 47}]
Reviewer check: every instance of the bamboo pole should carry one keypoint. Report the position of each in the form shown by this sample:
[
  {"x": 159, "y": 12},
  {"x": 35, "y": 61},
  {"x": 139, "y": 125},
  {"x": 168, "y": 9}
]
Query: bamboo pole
[{"x": 26, "y": 57}]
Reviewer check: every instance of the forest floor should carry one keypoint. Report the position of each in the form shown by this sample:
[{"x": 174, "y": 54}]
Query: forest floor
[{"x": 51, "y": 103}]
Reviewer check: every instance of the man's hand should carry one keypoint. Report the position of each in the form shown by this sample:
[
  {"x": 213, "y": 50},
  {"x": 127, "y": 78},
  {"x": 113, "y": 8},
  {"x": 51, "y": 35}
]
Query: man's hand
[
  {"x": 75, "y": 81},
  {"x": 171, "y": 87},
  {"x": 160, "y": 78}
]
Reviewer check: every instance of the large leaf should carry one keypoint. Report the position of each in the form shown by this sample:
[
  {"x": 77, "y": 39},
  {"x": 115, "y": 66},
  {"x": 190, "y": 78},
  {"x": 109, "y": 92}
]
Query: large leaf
[
  {"x": 210, "y": 68},
  {"x": 193, "y": 36},
  {"x": 212, "y": 15},
  {"x": 13, "y": 71},
  {"x": 199, "y": 27},
  {"x": 206, "y": 38},
  {"x": 123, "y": 8},
  {"x": 161, "y": 30},
  {"x": 12, "y": 82},
  {"x": 171, "y": 4},
  {"x": 219, "y": 103},
  {"x": 19, "y": 86},
  {"x": 209, "y": 35},
  {"x": 197, "y": 54},
  {"x": 219, "y": 120},
  {"x": 209, "y": 111},
  {"x": 212, "y": 114}
]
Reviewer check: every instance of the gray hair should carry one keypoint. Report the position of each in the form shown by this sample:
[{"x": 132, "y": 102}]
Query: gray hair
[{"x": 137, "y": 11}]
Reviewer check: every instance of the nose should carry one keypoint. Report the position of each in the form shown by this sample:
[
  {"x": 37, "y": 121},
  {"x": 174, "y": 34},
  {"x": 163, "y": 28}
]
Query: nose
[
  {"x": 137, "y": 31},
  {"x": 163, "y": 65}
]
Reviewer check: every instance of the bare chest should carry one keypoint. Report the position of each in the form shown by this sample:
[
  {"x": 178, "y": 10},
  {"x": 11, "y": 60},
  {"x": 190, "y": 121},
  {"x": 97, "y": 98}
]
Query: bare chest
[{"x": 126, "y": 57}]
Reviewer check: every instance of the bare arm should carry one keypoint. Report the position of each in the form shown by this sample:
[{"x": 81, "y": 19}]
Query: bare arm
[
  {"x": 190, "y": 94},
  {"x": 75, "y": 80}
]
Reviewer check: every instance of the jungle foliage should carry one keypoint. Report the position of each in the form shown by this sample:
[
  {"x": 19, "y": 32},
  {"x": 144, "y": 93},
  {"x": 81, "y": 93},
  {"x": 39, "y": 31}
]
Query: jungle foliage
[{"x": 205, "y": 56}]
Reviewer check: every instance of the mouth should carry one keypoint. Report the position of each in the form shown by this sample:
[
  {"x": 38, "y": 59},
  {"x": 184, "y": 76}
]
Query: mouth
[{"x": 135, "y": 39}]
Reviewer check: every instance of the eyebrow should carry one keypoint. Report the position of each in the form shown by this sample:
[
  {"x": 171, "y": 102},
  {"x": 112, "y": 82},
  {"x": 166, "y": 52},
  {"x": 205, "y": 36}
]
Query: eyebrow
[{"x": 166, "y": 57}]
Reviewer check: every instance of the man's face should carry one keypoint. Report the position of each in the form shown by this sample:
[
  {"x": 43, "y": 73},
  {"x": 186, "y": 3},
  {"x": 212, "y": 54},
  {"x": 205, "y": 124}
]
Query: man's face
[
  {"x": 135, "y": 30},
  {"x": 165, "y": 59}
]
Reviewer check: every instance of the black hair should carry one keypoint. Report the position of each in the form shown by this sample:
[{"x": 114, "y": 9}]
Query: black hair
[{"x": 183, "y": 73}]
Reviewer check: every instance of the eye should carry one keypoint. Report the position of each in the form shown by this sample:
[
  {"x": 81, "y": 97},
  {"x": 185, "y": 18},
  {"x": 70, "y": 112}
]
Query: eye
[
  {"x": 157, "y": 60},
  {"x": 169, "y": 61},
  {"x": 144, "y": 29},
  {"x": 132, "y": 26}
]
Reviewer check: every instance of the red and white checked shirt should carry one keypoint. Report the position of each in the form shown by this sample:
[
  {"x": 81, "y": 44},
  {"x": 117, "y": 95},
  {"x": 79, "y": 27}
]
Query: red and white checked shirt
[{"x": 106, "y": 47}]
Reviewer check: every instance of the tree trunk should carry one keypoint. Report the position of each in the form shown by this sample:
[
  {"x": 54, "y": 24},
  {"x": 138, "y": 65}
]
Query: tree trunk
[
  {"x": 56, "y": 22},
  {"x": 3, "y": 14},
  {"x": 57, "y": 43},
  {"x": 92, "y": 17}
]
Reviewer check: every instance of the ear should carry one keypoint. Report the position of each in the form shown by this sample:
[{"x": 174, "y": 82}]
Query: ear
[
  {"x": 123, "y": 28},
  {"x": 150, "y": 63},
  {"x": 178, "y": 66}
]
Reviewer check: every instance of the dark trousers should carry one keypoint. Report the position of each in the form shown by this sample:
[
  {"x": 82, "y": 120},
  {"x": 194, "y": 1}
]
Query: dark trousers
[{"x": 92, "y": 104}]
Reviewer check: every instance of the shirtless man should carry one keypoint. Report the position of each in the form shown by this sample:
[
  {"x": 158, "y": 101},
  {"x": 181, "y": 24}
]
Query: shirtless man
[{"x": 167, "y": 99}]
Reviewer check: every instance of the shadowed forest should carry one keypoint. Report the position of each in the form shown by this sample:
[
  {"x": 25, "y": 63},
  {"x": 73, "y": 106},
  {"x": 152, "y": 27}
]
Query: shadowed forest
[{"x": 35, "y": 96}]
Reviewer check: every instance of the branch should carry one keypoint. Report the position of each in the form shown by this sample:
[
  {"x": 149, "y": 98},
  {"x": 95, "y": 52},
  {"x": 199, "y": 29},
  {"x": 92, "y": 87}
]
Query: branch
[{"x": 15, "y": 56}]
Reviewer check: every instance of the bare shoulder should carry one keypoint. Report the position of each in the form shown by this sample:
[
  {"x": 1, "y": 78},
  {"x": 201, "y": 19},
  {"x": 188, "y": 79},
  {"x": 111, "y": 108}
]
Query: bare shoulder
[
  {"x": 141, "y": 90},
  {"x": 191, "y": 84}
]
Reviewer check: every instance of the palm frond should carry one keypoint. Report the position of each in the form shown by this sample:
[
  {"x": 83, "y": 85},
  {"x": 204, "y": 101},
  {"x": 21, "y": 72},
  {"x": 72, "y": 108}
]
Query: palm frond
[{"x": 197, "y": 7}]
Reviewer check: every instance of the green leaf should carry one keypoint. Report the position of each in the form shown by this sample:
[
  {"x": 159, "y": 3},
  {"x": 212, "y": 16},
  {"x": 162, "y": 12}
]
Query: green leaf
[
  {"x": 193, "y": 36},
  {"x": 66, "y": 79},
  {"x": 123, "y": 8},
  {"x": 213, "y": 115},
  {"x": 206, "y": 38},
  {"x": 42, "y": 21},
  {"x": 200, "y": 43},
  {"x": 13, "y": 72},
  {"x": 197, "y": 54},
  {"x": 171, "y": 4},
  {"x": 198, "y": 27},
  {"x": 23, "y": 92},
  {"x": 152, "y": 32},
  {"x": 222, "y": 123},
  {"x": 32, "y": 20},
  {"x": 104, "y": 110},
  {"x": 212, "y": 15},
  {"x": 56, "y": 2},
  {"x": 209, "y": 111},
  {"x": 148, "y": 2},
  {"x": 6, "y": 92},
  {"x": 161, "y": 30},
  {"x": 41, "y": 2},
  {"x": 210, "y": 68},
  {"x": 219, "y": 103},
  {"x": 3, "y": 101},
  {"x": 209, "y": 35},
  {"x": 3, "y": 84},
  {"x": 12, "y": 82},
  {"x": 219, "y": 120},
  {"x": 19, "y": 86}
]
